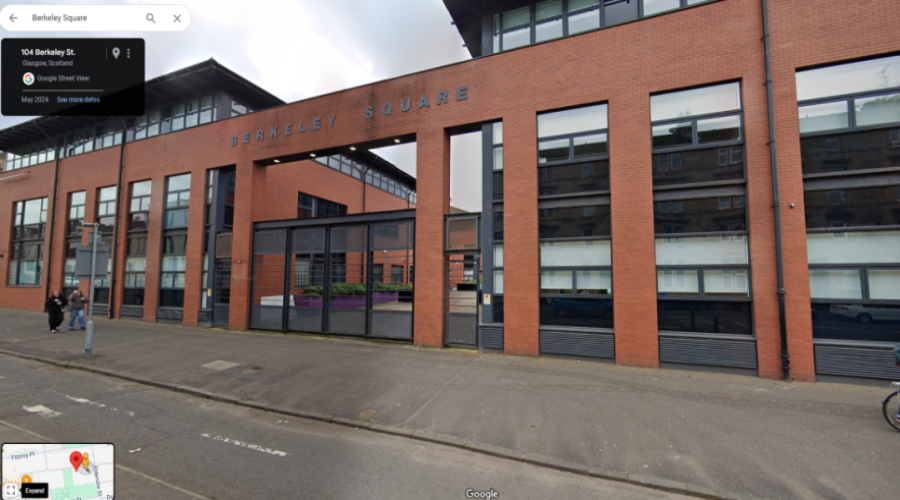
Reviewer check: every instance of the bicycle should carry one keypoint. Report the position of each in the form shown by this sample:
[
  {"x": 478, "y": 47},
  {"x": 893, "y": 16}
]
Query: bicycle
[{"x": 890, "y": 407}]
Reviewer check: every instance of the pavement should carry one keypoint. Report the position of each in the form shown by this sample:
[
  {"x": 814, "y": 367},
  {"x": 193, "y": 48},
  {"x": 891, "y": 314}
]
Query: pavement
[
  {"x": 174, "y": 446},
  {"x": 707, "y": 434}
]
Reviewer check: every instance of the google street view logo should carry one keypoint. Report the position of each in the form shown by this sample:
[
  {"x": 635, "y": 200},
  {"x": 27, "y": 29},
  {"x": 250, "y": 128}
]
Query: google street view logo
[{"x": 28, "y": 78}]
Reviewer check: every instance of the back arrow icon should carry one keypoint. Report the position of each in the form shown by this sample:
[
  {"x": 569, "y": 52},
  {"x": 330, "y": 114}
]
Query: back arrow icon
[{"x": 13, "y": 18}]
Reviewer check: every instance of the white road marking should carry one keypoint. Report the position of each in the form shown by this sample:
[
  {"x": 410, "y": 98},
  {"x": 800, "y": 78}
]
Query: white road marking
[
  {"x": 84, "y": 401},
  {"x": 256, "y": 447},
  {"x": 42, "y": 411}
]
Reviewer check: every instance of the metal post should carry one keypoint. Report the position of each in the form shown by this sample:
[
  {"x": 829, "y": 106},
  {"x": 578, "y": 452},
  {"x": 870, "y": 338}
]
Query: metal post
[{"x": 89, "y": 332}]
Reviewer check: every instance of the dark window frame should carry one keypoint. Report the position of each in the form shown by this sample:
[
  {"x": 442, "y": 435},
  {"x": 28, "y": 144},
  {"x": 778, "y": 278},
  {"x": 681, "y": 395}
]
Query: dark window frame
[
  {"x": 140, "y": 200},
  {"x": 20, "y": 240},
  {"x": 701, "y": 294},
  {"x": 179, "y": 206},
  {"x": 601, "y": 6},
  {"x": 695, "y": 137},
  {"x": 163, "y": 273},
  {"x": 571, "y": 138},
  {"x": 850, "y": 99},
  {"x": 864, "y": 283}
]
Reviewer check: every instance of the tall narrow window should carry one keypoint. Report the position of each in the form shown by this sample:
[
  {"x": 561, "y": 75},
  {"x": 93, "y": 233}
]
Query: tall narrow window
[
  {"x": 74, "y": 230},
  {"x": 703, "y": 274},
  {"x": 175, "y": 241},
  {"x": 139, "y": 207},
  {"x": 106, "y": 215},
  {"x": 574, "y": 231},
  {"x": 27, "y": 256},
  {"x": 849, "y": 116},
  {"x": 136, "y": 246}
]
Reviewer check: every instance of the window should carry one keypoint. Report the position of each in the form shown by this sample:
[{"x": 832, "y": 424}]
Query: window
[
  {"x": 572, "y": 134},
  {"x": 173, "y": 266},
  {"x": 703, "y": 282},
  {"x": 652, "y": 7},
  {"x": 26, "y": 156},
  {"x": 701, "y": 215},
  {"x": 619, "y": 11},
  {"x": 854, "y": 285},
  {"x": 575, "y": 250},
  {"x": 576, "y": 283},
  {"x": 178, "y": 196},
  {"x": 77, "y": 202},
  {"x": 135, "y": 267},
  {"x": 311, "y": 206},
  {"x": 139, "y": 207},
  {"x": 584, "y": 15},
  {"x": 27, "y": 256},
  {"x": 497, "y": 165},
  {"x": 106, "y": 209},
  {"x": 574, "y": 222},
  {"x": 849, "y": 118},
  {"x": 703, "y": 285},
  {"x": 381, "y": 181},
  {"x": 548, "y": 20},
  {"x": 691, "y": 117}
]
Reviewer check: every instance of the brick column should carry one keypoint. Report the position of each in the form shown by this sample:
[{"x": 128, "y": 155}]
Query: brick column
[
  {"x": 521, "y": 316},
  {"x": 154, "y": 246},
  {"x": 194, "y": 259},
  {"x": 433, "y": 195},
  {"x": 793, "y": 227},
  {"x": 633, "y": 242},
  {"x": 249, "y": 206},
  {"x": 761, "y": 224}
]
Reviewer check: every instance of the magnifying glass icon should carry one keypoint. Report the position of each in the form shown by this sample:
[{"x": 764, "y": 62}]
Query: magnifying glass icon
[{"x": 150, "y": 18}]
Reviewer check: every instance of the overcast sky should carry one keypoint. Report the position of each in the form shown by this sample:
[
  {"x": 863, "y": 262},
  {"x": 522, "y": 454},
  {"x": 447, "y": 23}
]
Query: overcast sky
[{"x": 297, "y": 49}]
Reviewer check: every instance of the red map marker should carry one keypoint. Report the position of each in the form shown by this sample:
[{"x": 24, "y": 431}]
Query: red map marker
[{"x": 75, "y": 459}]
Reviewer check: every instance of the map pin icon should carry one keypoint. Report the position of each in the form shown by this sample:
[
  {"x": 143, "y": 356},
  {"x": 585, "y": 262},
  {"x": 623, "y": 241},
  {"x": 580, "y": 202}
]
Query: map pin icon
[
  {"x": 115, "y": 52},
  {"x": 76, "y": 458}
]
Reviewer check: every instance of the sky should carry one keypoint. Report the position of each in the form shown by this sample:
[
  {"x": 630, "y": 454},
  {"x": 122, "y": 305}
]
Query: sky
[{"x": 297, "y": 49}]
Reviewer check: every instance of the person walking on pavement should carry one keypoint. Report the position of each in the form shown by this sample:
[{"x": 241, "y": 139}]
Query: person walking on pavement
[
  {"x": 55, "y": 306},
  {"x": 77, "y": 303}
]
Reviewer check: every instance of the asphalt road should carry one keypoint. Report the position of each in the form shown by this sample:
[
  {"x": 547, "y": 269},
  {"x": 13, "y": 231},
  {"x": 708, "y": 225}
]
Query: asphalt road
[{"x": 195, "y": 448}]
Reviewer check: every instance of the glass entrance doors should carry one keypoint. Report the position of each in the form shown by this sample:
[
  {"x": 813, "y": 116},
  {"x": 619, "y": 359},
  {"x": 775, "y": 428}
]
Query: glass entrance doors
[{"x": 342, "y": 278}]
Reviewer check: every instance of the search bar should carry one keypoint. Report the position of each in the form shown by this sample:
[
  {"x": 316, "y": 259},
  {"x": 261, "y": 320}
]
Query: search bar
[{"x": 95, "y": 18}]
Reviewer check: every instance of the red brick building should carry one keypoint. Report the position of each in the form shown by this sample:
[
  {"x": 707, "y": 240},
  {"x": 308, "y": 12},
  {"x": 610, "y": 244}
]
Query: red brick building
[{"x": 608, "y": 126}]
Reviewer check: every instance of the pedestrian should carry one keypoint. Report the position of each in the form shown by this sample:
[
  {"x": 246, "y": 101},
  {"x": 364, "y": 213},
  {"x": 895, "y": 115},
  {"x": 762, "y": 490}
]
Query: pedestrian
[
  {"x": 55, "y": 306},
  {"x": 77, "y": 303}
]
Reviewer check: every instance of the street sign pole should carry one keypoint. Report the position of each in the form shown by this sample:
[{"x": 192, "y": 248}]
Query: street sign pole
[{"x": 89, "y": 332}]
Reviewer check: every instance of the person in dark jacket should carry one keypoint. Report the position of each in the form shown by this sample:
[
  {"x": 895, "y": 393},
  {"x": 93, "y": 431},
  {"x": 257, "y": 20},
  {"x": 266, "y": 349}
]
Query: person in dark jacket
[{"x": 56, "y": 304}]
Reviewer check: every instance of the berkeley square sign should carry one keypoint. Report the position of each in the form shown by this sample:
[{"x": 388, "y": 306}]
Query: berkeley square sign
[{"x": 387, "y": 109}]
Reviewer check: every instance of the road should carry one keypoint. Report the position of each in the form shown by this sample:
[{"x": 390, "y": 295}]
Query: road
[{"x": 197, "y": 448}]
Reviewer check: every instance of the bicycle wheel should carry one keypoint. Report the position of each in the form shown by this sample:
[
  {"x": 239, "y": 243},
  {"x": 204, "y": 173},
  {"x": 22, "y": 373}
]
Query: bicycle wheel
[{"x": 890, "y": 408}]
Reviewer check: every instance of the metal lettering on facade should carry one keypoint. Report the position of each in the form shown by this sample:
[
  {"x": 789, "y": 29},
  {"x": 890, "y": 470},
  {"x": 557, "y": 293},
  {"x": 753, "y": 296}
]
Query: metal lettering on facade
[{"x": 387, "y": 109}]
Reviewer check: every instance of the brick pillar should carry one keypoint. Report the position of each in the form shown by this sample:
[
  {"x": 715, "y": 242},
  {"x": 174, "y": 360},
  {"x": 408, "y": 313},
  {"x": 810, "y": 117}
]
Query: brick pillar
[
  {"x": 633, "y": 242},
  {"x": 433, "y": 194},
  {"x": 761, "y": 225},
  {"x": 249, "y": 206},
  {"x": 521, "y": 316},
  {"x": 196, "y": 232},
  {"x": 154, "y": 247},
  {"x": 793, "y": 227}
]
